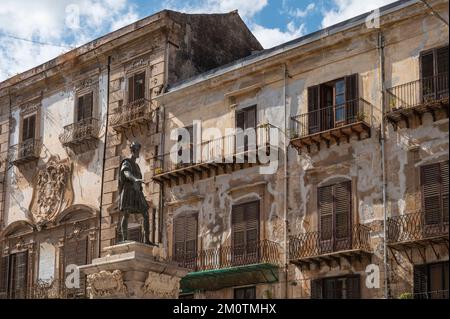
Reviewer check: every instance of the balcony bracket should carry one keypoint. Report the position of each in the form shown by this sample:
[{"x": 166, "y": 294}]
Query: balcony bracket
[
  {"x": 394, "y": 255},
  {"x": 436, "y": 254}
]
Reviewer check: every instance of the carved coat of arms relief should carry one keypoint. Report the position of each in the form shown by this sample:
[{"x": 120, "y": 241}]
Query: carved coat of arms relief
[{"x": 53, "y": 191}]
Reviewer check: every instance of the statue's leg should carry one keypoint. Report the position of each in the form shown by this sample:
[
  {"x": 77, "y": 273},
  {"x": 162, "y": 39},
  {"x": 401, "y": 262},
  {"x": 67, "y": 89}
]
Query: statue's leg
[
  {"x": 146, "y": 228},
  {"x": 124, "y": 227}
]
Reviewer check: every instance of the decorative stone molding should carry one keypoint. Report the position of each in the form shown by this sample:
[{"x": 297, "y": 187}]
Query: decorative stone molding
[
  {"x": 53, "y": 192},
  {"x": 161, "y": 285},
  {"x": 106, "y": 284},
  {"x": 29, "y": 108}
]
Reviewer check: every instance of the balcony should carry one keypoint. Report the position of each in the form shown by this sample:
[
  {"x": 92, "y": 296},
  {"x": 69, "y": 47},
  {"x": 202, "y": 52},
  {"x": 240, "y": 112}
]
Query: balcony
[
  {"x": 409, "y": 231},
  {"x": 218, "y": 156},
  {"x": 413, "y": 99},
  {"x": 26, "y": 152},
  {"x": 230, "y": 266},
  {"x": 314, "y": 248},
  {"x": 80, "y": 133},
  {"x": 135, "y": 115},
  {"x": 332, "y": 124}
]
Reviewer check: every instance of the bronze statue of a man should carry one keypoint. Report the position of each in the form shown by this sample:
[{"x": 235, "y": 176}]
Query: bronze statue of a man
[{"x": 132, "y": 199}]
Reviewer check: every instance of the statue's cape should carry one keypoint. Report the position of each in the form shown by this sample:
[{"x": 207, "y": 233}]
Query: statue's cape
[{"x": 122, "y": 177}]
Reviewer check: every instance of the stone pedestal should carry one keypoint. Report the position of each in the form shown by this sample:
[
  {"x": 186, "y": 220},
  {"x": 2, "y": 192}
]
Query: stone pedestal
[{"x": 133, "y": 270}]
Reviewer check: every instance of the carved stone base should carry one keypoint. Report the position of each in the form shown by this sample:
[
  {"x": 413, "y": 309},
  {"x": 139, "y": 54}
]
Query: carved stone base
[{"x": 133, "y": 270}]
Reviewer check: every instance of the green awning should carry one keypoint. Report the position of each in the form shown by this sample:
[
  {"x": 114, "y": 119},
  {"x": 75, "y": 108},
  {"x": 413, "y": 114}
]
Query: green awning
[{"x": 229, "y": 277}]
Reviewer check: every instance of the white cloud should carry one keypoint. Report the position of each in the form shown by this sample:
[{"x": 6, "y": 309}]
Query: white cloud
[
  {"x": 247, "y": 8},
  {"x": 272, "y": 37},
  {"x": 346, "y": 9},
  {"x": 298, "y": 13},
  {"x": 47, "y": 24}
]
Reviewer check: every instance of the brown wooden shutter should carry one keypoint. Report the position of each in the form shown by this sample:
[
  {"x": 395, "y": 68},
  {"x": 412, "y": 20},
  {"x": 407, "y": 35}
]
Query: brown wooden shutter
[
  {"x": 444, "y": 191},
  {"x": 131, "y": 89},
  {"x": 431, "y": 188},
  {"x": 88, "y": 106},
  {"x": 19, "y": 278},
  {"x": 442, "y": 61},
  {"x": 238, "y": 225},
  {"x": 420, "y": 281},
  {"x": 316, "y": 289},
  {"x": 4, "y": 276},
  {"x": 313, "y": 107},
  {"x": 139, "y": 86},
  {"x": 342, "y": 209},
  {"x": 427, "y": 65},
  {"x": 353, "y": 287},
  {"x": 185, "y": 230},
  {"x": 351, "y": 97},
  {"x": 80, "y": 108},
  {"x": 326, "y": 212}
]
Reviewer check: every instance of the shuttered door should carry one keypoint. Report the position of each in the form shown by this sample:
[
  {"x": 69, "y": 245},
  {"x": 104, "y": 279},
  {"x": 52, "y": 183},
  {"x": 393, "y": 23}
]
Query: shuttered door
[
  {"x": 420, "y": 282},
  {"x": 246, "y": 119},
  {"x": 313, "y": 110},
  {"x": 185, "y": 240},
  {"x": 427, "y": 73},
  {"x": 139, "y": 86},
  {"x": 4, "y": 277},
  {"x": 75, "y": 253},
  {"x": 85, "y": 105},
  {"x": 442, "y": 72},
  {"x": 335, "y": 217},
  {"x": 245, "y": 233},
  {"x": 434, "y": 180},
  {"x": 131, "y": 89},
  {"x": 326, "y": 218},
  {"x": 342, "y": 213},
  {"x": 351, "y": 97},
  {"x": 316, "y": 289},
  {"x": 353, "y": 287},
  {"x": 19, "y": 276}
]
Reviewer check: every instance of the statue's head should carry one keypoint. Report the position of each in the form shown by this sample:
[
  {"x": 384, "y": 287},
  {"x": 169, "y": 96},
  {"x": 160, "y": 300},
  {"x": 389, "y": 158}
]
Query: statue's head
[{"x": 135, "y": 149}]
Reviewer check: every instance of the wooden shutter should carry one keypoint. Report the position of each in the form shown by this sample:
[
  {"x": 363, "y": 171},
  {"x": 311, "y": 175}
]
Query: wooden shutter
[
  {"x": 353, "y": 287},
  {"x": 326, "y": 212},
  {"x": 420, "y": 281},
  {"x": 431, "y": 189},
  {"x": 351, "y": 97},
  {"x": 427, "y": 65},
  {"x": 80, "y": 108},
  {"x": 238, "y": 226},
  {"x": 316, "y": 289},
  {"x": 245, "y": 293},
  {"x": 313, "y": 109},
  {"x": 4, "y": 276},
  {"x": 245, "y": 232},
  {"x": 131, "y": 89},
  {"x": 442, "y": 61},
  {"x": 19, "y": 278},
  {"x": 28, "y": 127},
  {"x": 139, "y": 86},
  {"x": 342, "y": 209},
  {"x": 185, "y": 238},
  {"x": 444, "y": 191}
]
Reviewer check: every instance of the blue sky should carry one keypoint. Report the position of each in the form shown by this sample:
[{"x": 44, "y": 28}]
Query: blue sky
[{"x": 33, "y": 32}]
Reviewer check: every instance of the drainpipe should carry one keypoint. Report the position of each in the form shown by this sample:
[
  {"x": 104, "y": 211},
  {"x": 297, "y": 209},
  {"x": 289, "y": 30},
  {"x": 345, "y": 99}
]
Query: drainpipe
[
  {"x": 104, "y": 159},
  {"x": 286, "y": 184},
  {"x": 380, "y": 48}
]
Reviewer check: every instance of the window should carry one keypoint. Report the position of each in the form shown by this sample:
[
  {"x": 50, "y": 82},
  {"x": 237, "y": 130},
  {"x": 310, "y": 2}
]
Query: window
[
  {"x": 29, "y": 128},
  {"x": 84, "y": 107},
  {"x": 246, "y": 119},
  {"x": 333, "y": 103},
  {"x": 335, "y": 216},
  {"x": 75, "y": 252},
  {"x": 136, "y": 87},
  {"x": 434, "y": 183},
  {"x": 434, "y": 74},
  {"x": 431, "y": 281},
  {"x": 187, "y": 147},
  {"x": 245, "y": 233},
  {"x": 245, "y": 293},
  {"x": 13, "y": 276},
  {"x": 185, "y": 239},
  {"x": 347, "y": 287}
]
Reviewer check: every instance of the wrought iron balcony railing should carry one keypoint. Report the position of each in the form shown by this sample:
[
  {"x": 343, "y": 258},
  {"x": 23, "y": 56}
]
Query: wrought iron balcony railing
[
  {"x": 419, "y": 92},
  {"x": 415, "y": 227},
  {"x": 264, "y": 251},
  {"x": 133, "y": 114},
  {"x": 26, "y": 151},
  {"x": 333, "y": 117},
  {"x": 230, "y": 149},
  {"x": 80, "y": 132},
  {"x": 315, "y": 243}
]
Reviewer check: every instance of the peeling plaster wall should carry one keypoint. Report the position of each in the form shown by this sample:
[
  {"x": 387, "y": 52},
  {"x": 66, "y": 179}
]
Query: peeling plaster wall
[{"x": 57, "y": 111}]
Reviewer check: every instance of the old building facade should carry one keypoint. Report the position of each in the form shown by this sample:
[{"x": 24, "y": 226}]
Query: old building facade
[{"x": 315, "y": 169}]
